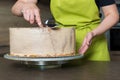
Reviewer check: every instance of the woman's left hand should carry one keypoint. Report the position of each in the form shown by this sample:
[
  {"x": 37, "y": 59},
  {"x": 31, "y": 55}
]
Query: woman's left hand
[{"x": 86, "y": 43}]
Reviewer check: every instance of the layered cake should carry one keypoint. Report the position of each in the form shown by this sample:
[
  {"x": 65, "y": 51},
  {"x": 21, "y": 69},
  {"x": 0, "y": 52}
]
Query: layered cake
[{"x": 42, "y": 42}]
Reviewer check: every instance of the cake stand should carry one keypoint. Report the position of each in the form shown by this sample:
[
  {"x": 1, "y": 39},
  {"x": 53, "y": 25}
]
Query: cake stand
[{"x": 43, "y": 62}]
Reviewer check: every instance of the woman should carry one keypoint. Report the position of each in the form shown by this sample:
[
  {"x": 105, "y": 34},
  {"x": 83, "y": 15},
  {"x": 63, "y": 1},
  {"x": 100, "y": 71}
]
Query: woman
[{"x": 81, "y": 14}]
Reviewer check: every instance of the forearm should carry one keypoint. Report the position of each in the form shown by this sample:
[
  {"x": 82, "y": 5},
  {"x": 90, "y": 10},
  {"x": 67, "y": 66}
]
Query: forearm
[
  {"x": 19, "y": 5},
  {"x": 111, "y": 18}
]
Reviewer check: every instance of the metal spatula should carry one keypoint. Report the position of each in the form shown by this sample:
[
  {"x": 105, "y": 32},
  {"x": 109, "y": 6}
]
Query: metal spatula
[{"x": 50, "y": 23}]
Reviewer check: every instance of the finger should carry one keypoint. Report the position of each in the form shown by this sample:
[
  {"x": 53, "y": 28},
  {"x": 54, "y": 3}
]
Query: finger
[
  {"x": 89, "y": 38},
  {"x": 38, "y": 18},
  {"x": 88, "y": 41},
  {"x": 84, "y": 46},
  {"x": 26, "y": 15},
  {"x": 83, "y": 49},
  {"x": 84, "y": 42},
  {"x": 32, "y": 17}
]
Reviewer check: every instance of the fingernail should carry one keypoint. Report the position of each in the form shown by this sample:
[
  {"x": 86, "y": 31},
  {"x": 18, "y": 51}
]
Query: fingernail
[{"x": 40, "y": 25}]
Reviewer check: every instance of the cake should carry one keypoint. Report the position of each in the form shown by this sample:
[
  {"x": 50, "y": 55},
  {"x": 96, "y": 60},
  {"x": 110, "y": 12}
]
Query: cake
[{"x": 42, "y": 42}]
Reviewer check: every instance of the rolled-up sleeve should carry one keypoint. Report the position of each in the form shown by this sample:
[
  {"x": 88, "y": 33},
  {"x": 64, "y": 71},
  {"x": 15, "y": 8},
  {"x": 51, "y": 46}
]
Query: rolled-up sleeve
[{"x": 101, "y": 3}]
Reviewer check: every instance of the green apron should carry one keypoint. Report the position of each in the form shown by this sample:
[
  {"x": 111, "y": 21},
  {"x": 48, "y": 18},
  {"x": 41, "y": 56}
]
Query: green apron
[{"x": 84, "y": 16}]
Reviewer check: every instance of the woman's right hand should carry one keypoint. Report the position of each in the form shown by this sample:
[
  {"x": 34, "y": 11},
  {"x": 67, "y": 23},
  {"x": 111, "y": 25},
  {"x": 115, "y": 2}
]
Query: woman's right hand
[
  {"x": 31, "y": 13},
  {"x": 29, "y": 10}
]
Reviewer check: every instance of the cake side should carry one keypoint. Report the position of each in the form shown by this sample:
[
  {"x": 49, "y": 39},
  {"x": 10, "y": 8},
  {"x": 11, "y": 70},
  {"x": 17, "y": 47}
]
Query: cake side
[{"x": 37, "y": 42}]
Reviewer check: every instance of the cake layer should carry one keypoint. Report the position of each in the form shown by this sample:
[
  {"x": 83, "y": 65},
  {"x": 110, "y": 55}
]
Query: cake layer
[
  {"x": 42, "y": 55},
  {"x": 42, "y": 42}
]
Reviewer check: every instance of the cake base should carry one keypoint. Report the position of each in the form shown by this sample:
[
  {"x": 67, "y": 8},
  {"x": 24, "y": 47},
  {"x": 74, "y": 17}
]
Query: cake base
[
  {"x": 43, "y": 63},
  {"x": 45, "y": 55}
]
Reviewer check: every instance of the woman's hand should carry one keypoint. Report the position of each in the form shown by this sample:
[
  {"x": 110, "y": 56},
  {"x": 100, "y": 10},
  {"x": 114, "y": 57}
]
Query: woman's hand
[
  {"x": 86, "y": 42},
  {"x": 31, "y": 13},
  {"x": 111, "y": 18},
  {"x": 29, "y": 10}
]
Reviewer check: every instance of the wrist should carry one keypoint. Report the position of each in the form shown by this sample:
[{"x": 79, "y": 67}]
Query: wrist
[
  {"x": 29, "y": 1},
  {"x": 93, "y": 33}
]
